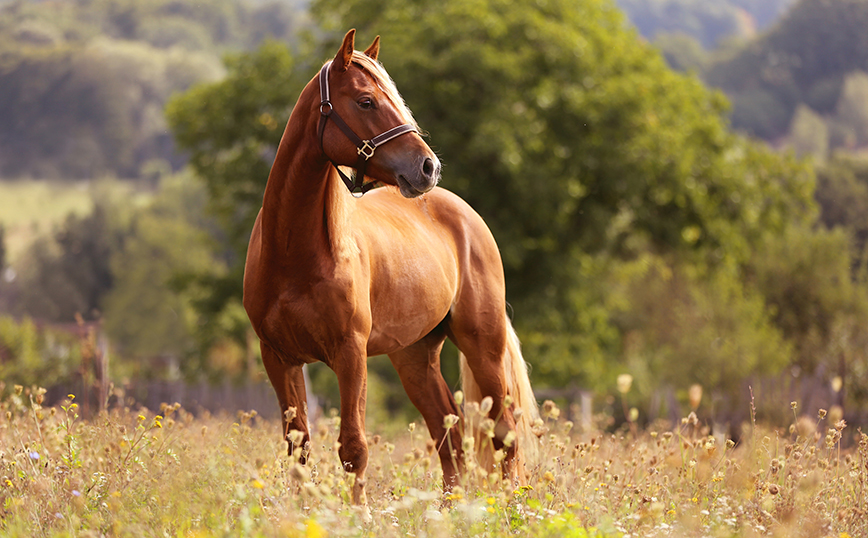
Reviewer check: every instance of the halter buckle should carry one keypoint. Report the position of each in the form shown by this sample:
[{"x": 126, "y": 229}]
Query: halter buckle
[
  {"x": 367, "y": 149},
  {"x": 325, "y": 108}
]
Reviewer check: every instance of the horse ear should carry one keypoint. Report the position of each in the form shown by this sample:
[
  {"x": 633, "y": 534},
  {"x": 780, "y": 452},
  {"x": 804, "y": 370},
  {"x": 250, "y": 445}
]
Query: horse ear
[
  {"x": 374, "y": 50},
  {"x": 345, "y": 54}
]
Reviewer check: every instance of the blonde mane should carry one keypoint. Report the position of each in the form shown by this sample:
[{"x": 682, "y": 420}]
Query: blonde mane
[
  {"x": 387, "y": 85},
  {"x": 339, "y": 200}
]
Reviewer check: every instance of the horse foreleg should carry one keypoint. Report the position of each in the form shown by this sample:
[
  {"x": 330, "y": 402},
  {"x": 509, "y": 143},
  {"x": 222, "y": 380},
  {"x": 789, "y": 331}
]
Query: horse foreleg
[
  {"x": 352, "y": 372},
  {"x": 288, "y": 383},
  {"x": 418, "y": 367}
]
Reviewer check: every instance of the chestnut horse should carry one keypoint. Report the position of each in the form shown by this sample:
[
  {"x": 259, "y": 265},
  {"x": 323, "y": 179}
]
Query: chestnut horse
[{"x": 337, "y": 279}]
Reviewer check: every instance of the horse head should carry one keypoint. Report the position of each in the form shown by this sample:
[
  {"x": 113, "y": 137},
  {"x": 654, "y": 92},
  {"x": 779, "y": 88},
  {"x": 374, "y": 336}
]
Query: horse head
[{"x": 371, "y": 128}]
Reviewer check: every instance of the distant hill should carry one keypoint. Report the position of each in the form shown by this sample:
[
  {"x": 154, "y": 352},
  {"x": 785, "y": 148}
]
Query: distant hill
[
  {"x": 807, "y": 74},
  {"x": 83, "y": 84},
  {"x": 707, "y": 21}
]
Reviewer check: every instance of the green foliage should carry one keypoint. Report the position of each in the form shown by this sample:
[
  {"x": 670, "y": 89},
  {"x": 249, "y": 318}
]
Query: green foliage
[
  {"x": 145, "y": 316},
  {"x": 805, "y": 276},
  {"x": 83, "y": 84},
  {"x": 809, "y": 134},
  {"x": 69, "y": 273},
  {"x": 852, "y": 109},
  {"x": 842, "y": 193},
  {"x": 231, "y": 130},
  {"x": 31, "y": 355}
]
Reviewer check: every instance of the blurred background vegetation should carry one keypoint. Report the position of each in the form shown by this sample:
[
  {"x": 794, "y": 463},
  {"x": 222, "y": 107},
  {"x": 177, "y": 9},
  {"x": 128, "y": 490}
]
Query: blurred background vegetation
[{"x": 679, "y": 188}]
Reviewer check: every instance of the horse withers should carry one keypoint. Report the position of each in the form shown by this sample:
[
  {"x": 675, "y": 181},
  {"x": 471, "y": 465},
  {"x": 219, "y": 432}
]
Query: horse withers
[{"x": 334, "y": 278}]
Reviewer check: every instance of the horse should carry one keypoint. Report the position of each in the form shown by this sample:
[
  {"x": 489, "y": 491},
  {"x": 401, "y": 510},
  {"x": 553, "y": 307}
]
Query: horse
[{"x": 336, "y": 275}]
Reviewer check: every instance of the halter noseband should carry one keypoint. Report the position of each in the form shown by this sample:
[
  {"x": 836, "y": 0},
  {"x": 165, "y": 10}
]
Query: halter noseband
[{"x": 365, "y": 148}]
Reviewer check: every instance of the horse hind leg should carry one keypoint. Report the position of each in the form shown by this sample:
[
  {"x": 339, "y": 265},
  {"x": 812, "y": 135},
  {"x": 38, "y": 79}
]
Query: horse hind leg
[
  {"x": 288, "y": 383},
  {"x": 492, "y": 366},
  {"x": 418, "y": 367}
]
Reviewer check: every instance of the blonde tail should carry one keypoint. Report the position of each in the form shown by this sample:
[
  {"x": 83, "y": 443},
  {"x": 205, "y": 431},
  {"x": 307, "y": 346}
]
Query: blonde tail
[{"x": 518, "y": 387}]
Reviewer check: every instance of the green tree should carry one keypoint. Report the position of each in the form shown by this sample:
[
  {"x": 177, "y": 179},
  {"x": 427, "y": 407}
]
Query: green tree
[
  {"x": 69, "y": 273},
  {"x": 231, "y": 130},
  {"x": 852, "y": 109},
  {"x": 809, "y": 134},
  {"x": 145, "y": 315}
]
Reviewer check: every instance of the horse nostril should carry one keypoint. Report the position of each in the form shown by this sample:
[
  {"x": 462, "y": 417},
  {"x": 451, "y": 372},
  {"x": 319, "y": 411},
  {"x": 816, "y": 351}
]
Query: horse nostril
[{"x": 428, "y": 168}]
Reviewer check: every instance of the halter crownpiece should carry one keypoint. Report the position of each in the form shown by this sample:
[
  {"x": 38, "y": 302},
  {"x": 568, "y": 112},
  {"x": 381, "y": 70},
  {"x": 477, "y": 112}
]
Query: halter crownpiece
[{"x": 364, "y": 148}]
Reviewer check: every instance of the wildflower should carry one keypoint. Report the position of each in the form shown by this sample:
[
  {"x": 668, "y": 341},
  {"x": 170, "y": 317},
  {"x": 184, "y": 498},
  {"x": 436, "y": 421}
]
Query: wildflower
[
  {"x": 290, "y": 413},
  {"x": 625, "y": 381},
  {"x": 467, "y": 444},
  {"x": 508, "y": 401},
  {"x": 299, "y": 472},
  {"x": 459, "y": 397},
  {"x": 296, "y": 437},
  {"x": 71, "y": 397},
  {"x": 550, "y": 410},
  {"x": 449, "y": 421},
  {"x": 257, "y": 484},
  {"x": 313, "y": 529},
  {"x": 486, "y": 405},
  {"x": 76, "y": 493},
  {"x": 822, "y": 414},
  {"x": 411, "y": 427},
  {"x": 141, "y": 418},
  {"x": 793, "y": 405},
  {"x": 487, "y": 427},
  {"x": 34, "y": 455}
]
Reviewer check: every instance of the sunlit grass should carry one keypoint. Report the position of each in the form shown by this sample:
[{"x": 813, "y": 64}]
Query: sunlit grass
[
  {"x": 32, "y": 208},
  {"x": 133, "y": 472}
]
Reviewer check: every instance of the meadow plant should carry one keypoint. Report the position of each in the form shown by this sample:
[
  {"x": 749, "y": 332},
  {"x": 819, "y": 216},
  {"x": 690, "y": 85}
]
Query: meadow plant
[{"x": 131, "y": 472}]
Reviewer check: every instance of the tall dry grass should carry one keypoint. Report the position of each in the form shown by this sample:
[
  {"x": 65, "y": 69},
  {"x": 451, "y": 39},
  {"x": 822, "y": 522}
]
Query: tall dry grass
[{"x": 134, "y": 472}]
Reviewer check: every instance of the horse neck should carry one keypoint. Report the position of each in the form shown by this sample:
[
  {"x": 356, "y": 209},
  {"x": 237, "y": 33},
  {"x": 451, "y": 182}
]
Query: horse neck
[{"x": 306, "y": 206}]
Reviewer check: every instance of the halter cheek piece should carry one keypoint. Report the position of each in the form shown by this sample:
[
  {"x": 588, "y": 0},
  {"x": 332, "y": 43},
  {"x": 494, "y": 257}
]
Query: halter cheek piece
[{"x": 365, "y": 148}]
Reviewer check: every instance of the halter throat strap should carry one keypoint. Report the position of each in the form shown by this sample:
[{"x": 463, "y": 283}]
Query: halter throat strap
[{"x": 364, "y": 148}]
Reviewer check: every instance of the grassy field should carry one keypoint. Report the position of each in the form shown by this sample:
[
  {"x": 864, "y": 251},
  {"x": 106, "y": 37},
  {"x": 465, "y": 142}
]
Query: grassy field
[
  {"x": 167, "y": 473},
  {"x": 30, "y": 208}
]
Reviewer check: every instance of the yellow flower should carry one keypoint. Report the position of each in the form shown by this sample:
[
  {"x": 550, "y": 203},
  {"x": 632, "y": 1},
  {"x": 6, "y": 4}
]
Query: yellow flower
[
  {"x": 314, "y": 530},
  {"x": 491, "y": 500},
  {"x": 257, "y": 484},
  {"x": 71, "y": 396}
]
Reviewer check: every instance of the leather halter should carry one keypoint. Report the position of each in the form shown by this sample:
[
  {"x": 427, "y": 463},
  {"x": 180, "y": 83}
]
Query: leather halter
[{"x": 365, "y": 148}]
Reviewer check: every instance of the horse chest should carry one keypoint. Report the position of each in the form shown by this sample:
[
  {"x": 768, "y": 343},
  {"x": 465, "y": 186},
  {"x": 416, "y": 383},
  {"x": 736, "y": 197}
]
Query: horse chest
[{"x": 310, "y": 323}]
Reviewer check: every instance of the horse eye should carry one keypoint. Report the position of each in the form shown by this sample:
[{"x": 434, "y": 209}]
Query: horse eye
[{"x": 366, "y": 103}]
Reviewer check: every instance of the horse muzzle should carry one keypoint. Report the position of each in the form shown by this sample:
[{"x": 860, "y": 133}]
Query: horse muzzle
[{"x": 420, "y": 178}]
